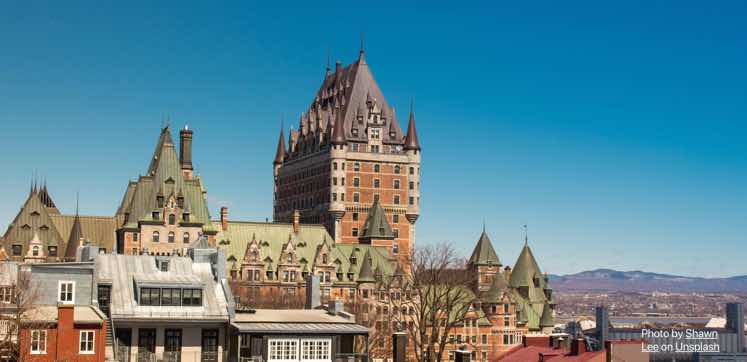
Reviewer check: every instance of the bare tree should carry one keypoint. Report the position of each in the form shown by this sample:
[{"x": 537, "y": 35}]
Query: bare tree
[
  {"x": 19, "y": 295},
  {"x": 435, "y": 299}
]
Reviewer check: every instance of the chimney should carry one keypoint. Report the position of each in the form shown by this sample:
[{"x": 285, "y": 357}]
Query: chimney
[
  {"x": 335, "y": 307},
  {"x": 578, "y": 347},
  {"x": 399, "y": 346},
  {"x": 296, "y": 221},
  {"x": 313, "y": 293},
  {"x": 224, "y": 217},
  {"x": 185, "y": 151}
]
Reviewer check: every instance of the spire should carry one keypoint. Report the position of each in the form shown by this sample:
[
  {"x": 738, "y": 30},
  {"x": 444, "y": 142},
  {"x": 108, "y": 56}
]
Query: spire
[
  {"x": 327, "y": 70},
  {"x": 526, "y": 236},
  {"x": 280, "y": 154},
  {"x": 411, "y": 140},
  {"x": 76, "y": 234},
  {"x": 338, "y": 134},
  {"x": 362, "y": 52}
]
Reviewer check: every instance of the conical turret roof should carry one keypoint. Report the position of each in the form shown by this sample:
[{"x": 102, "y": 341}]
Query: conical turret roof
[
  {"x": 76, "y": 234},
  {"x": 484, "y": 254},
  {"x": 338, "y": 133},
  {"x": 411, "y": 140},
  {"x": 280, "y": 153},
  {"x": 525, "y": 269},
  {"x": 366, "y": 274},
  {"x": 547, "y": 319},
  {"x": 376, "y": 226}
]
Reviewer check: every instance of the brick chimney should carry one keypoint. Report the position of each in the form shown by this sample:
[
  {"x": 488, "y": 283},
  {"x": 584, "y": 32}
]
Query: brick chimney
[
  {"x": 185, "y": 152},
  {"x": 578, "y": 347},
  {"x": 296, "y": 221},
  {"x": 224, "y": 218}
]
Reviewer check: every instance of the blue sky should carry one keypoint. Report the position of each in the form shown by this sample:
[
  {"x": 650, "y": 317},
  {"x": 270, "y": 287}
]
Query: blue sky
[{"x": 615, "y": 131}]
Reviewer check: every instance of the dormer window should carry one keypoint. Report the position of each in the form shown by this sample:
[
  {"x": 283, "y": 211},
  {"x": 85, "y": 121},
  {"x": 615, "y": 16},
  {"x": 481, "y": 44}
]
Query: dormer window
[
  {"x": 185, "y": 217},
  {"x": 156, "y": 236},
  {"x": 290, "y": 258},
  {"x": 172, "y": 219},
  {"x": 156, "y": 215},
  {"x": 52, "y": 250},
  {"x": 324, "y": 259},
  {"x": 353, "y": 260},
  {"x": 180, "y": 202},
  {"x": 159, "y": 201},
  {"x": 35, "y": 250}
]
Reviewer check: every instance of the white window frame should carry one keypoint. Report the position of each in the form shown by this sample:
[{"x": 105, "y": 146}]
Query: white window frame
[
  {"x": 93, "y": 342},
  {"x": 41, "y": 342},
  {"x": 282, "y": 350},
  {"x": 316, "y": 350},
  {"x": 59, "y": 291}
]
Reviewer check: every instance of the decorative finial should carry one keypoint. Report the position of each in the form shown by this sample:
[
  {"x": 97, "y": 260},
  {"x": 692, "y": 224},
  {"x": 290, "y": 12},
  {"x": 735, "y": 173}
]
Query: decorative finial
[
  {"x": 526, "y": 235},
  {"x": 328, "y": 69},
  {"x": 77, "y": 202},
  {"x": 362, "y": 52},
  {"x": 483, "y": 225}
]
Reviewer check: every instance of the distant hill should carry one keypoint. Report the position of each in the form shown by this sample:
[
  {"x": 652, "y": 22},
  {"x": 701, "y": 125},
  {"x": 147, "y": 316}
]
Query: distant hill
[{"x": 640, "y": 281}]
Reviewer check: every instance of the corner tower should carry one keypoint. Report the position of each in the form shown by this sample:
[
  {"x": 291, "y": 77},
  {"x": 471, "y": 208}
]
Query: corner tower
[{"x": 348, "y": 154}]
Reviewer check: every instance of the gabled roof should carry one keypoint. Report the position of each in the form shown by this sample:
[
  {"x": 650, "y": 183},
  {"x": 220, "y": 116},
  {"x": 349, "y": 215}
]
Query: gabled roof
[
  {"x": 376, "y": 225},
  {"x": 34, "y": 217},
  {"x": 484, "y": 254}
]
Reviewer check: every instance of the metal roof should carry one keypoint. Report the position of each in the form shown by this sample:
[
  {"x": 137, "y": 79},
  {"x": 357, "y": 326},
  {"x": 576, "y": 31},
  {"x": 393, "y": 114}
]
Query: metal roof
[{"x": 299, "y": 328}]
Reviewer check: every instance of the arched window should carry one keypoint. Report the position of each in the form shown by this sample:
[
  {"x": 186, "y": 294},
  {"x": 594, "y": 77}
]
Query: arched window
[
  {"x": 377, "y": 168},
  {"x": 172, "y": 219},
  {"x": 185, "y": 238},
  {"x": 155, "y": 236},
  {"x": 171, "y": 236},
  {"x": 35, "y": 251},
  {"x": 324, "y": 259},
  {"x": 396, "y": 169}
]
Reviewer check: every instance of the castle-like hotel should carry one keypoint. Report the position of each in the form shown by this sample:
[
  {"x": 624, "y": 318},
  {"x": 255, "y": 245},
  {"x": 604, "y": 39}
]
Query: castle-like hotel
[{"x": 346, "y": 202}]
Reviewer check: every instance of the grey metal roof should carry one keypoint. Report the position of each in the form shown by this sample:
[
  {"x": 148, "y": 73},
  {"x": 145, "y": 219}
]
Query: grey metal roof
[
  {"x": 299, "y": 328},
  {"x": 121, "y": 270}
]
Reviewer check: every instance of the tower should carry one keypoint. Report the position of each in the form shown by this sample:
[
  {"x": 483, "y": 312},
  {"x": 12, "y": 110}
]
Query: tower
[
  {"x": 349, "y": 154},
  {"x": 484, "y": 264}
]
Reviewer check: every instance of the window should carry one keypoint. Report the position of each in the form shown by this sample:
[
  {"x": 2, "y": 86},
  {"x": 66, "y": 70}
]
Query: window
[
  {"x": 356, "y": 166},
  {"x": 6, "y": 294},
  {"x": 282, "y": 349},
  {"x": 506, "y": 322},
  {"x": 484, "y": 339},
  {"x": 334, "y": 166},
  {"x": 315, "y": 350},
  {"x": 356, "y": 198},
  {"x": 396, "y": 184},
  {"x": 155, "y": 215},
  {"x": 150, "y": 296},
  {"x": 17, "y": 250},
  {"x": 185, "y": 217},
  {"x": 35, "y": 250},
  {"x": 164, "y": 266},
  {"x": 396, "y": 169},
  {"x": 66, "y": 292},
  {"x": 376, "y": 197},
  {"x": 210, "y": 344},
  {"x": 395, "y": 232},
  {"x": 155, "y": 236},
  {"x": 172, "y": 219},
  {"x": 256, "y": 274},
  {"x": 171, "y": 296},
  {"x": 505, "y": 308},
  {"x": 171, "y": 236},
  {"x": 38, "y": 342},
  {"x": 52, "y": 250},
  {"x": 355, "y": 216},
  {"x": 376, "y": 183},
  {"x": 377, "y": 168},
  {"x": 505, "y": 339},
  {"x": 412, "y": 185},
  {"x": 134, "y": 236},
  {"x": 395, "y": 248},
  {"x": 192, "y": 297},
  {"x": 355, "y": 232},
  {"x": 356, "y": 182},
  {"x": 185, "y": 238},
  {"x": 411, "y": 200},
  {"x": 86, "y": 342},
  {"x": 334, "y": 181},
  {"x": 484, "y": 356},
  {"x": 412, "y": 170},
  {"x": 396, "y": 199},
  {"x": 395, "y": 218},
  {"x": 351, "y": 291},
  {"x": 173, "y": 344}
]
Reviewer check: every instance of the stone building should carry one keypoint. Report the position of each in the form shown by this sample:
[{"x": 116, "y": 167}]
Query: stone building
[{"x": 348, "y": 154}]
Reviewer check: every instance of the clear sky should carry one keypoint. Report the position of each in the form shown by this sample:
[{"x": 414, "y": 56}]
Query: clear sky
[{"x": 615, "y": 131}]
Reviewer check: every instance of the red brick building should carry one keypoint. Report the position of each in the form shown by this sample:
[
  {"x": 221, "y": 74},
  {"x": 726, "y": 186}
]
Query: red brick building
[
  {"x": 63, "y": 333},
  {"x": 348, "y": 152}
]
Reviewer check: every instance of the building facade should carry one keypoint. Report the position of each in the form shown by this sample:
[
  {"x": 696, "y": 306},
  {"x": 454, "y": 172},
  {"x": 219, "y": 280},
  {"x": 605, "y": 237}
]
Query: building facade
[{"x": 349, "y": 153}]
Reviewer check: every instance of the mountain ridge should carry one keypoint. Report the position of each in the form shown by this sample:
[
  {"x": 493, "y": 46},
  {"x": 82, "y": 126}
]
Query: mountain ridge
[{"x": 604, "y": 279}]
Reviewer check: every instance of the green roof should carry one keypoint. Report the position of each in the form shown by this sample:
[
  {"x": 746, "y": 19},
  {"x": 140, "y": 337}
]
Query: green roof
[
  {"x": 529, "y": 286},
  {"x": 484, "y": 254},
  {"x": 271, "y": 237},
  {"x": 376, "y": 226},
  {"x": 164, "y": 179}
]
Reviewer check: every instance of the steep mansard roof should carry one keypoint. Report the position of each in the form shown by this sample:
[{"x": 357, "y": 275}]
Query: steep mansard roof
[
  {"x": 272, "y": 236},
  {"x": 342, "y": 95},
  {"x": 376, "y": 225},
  {"x": 164, "y": 178},
  {"x": 484, "y": 254}
]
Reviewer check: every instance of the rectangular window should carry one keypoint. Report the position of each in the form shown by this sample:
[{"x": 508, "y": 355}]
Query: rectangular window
[
  {"x": 396, "y": 184},
  {"x": 52, "y": 250},
  {"x": 38, "y": 342},
  {"x": 17, "y": 250},
  {"x": 134, "y": 236},
  {"x": 282, "y": 350},
  {"x": 355, "y": 216},
  {"x": 411, "y": 200},
  {"x": 66, "y": 292},
  {"x": 484, "y": 339},
  {"x": 484, "y": 356},
  {"x": 192, "y": 297},
  {"x": 376, "y": 183},
  {"x": 396, "y": 199},
  {"x": 505, "y": 339},
  {"x": 316, "y": 350},
  {"x": 355, "y": 232},
  {"x": 150, "y": 296},
  {"x": 411, "y": 185},
  {"x": 171, "y": 296},
  {"x": 172, "y": 344},
  {"x": 395, "y": 218},
  {"x": 356, "y": 197},
  {"x": 210, "y": 344},
  {"x": 356, "y": 182},
  {"x": 86, "y": 342}
]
